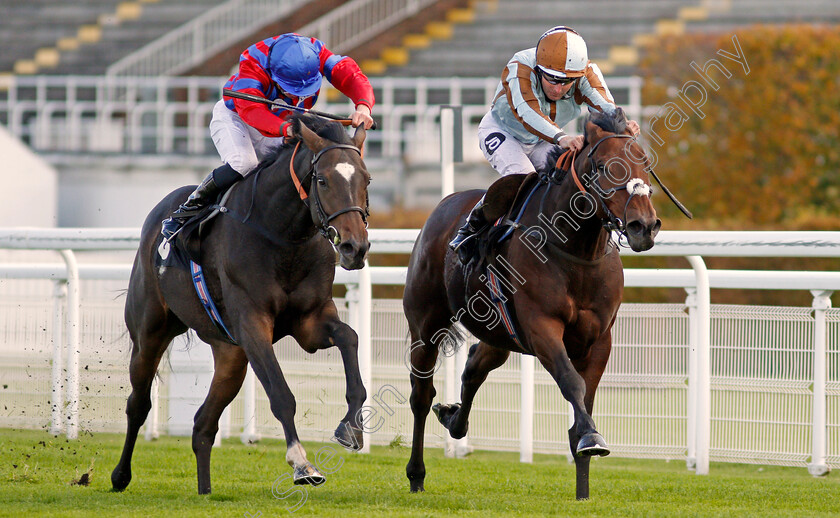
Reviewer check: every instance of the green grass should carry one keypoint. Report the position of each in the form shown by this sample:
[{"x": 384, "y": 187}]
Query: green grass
[{"x": 36, "y": 471}]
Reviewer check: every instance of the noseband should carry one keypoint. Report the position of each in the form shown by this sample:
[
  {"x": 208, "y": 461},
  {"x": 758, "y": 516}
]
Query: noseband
[{"x": 324, "y": 219}]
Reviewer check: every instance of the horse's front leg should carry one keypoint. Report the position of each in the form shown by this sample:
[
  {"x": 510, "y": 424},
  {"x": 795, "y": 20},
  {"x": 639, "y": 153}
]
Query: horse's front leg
[
  {"x": 591, "y": 370},
  {"x": 322, "y": 329},
  {"x": 482, "y": 359},
  {"x": 424, "y": 356},
  {"x": 254, "y": 333},
  {"x": 545, "y": 334}
]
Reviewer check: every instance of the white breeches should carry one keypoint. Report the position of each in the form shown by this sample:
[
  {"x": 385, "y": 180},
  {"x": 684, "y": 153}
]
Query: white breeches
[
  {"x": 506, "y": 154},
  {"x": 239, "y": 145}
]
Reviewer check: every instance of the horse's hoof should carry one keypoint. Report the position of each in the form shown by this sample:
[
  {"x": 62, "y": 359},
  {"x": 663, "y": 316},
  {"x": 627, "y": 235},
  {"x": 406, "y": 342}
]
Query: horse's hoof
[
  {"x": 350, "y": 437},
  {"x": 444, "y": 413},
  {"x": 592, "y": 444},
  {"x": 307, "y": 474},
  {"x": 119, "y": 481},
  {"x": 417, "y": 486}
]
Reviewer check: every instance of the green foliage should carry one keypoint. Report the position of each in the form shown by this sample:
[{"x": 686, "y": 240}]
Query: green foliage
[
  {"x": 484, "y": 484},
  {"x": 767, "y": 150}
]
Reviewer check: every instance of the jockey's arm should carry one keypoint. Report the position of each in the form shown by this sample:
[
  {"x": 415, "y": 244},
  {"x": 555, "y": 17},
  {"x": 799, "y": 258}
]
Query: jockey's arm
[{"x": 344, "y": 73}]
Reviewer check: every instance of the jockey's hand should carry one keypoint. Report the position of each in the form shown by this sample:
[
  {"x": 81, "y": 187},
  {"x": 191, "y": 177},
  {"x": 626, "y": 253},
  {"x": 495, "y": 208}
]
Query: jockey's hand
[
  {"x": 634, "y": 128},
  {"x": 575, "y": 143},
  {"x": 361, "y": 116}
]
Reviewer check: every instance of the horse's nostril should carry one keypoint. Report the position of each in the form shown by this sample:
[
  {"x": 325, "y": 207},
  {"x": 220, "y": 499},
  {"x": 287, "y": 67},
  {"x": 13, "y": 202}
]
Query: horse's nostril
[
  {"x": 346, "y": 248},
  {"x": 655, "y": 228},
  {"x": 635, "y": 227}
]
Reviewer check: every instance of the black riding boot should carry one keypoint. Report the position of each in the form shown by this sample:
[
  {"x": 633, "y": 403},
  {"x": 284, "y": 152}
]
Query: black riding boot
[
  {"x": 464, "y": 241},
  {"x": 220, "y": 179}
]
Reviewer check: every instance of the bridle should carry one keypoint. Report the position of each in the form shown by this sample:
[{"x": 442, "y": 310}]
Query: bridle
[
  {"x": 634, "y": 186},
  {"x": 323, "y": 224}
]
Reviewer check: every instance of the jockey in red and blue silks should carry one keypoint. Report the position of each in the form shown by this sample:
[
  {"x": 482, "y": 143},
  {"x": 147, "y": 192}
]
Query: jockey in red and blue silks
[{"x": 288, "y": 68}]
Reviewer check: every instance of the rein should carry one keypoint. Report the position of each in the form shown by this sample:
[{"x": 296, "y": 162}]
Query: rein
[{"x": 324, "y": 219}]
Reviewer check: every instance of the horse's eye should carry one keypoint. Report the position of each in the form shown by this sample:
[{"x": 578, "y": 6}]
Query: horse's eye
[{"x": 322, "y": 181}]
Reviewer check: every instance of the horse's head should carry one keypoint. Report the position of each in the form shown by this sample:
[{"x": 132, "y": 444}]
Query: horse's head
[
  {"x": 617, "y": 173},
  {"x": 339, "y": 192}
]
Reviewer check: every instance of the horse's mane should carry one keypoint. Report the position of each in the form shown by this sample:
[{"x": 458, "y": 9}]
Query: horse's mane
[
  {"x": 615, "y": 122},
  {"x": 330, "y": 130}
]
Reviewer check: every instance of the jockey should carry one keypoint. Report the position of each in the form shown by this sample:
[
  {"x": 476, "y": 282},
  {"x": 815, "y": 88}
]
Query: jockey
[
  {"x": 542, "y": 89},
  {"x": 288, "y": 68}
]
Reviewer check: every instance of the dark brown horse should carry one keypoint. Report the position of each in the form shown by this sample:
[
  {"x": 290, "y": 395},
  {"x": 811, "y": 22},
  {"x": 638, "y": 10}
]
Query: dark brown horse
[
  {"x": 560, "y": 284},
  {"x": 270, "y": 273}
]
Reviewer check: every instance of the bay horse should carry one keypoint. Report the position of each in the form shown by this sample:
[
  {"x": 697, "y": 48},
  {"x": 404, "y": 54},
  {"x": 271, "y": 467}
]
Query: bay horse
[
  {"x": 558, "y": 285},
  {"x": 271, "y": 275}
]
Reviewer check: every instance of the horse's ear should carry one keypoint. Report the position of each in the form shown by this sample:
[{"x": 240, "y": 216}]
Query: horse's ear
[
  {"x": 314, "y": 142},
  {"x": 593, "y": 131},
  {"x": 359, "y": 136}
]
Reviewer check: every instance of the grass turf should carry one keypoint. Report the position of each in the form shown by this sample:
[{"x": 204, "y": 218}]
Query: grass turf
[{"x": 37, "y": 472}]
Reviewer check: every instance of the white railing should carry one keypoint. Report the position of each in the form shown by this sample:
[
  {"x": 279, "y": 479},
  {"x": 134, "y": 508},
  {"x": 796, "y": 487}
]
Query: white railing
[
  {"x": 342, "y": 29},
  {"x": 656, "y": 398},
  {"x": 170, "y": 115},
  {"x": 198, "y": 40}
]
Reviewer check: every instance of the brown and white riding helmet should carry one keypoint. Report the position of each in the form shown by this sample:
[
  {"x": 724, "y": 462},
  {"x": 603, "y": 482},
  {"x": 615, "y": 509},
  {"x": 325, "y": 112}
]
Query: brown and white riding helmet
[{"x": 561, "y": 52}]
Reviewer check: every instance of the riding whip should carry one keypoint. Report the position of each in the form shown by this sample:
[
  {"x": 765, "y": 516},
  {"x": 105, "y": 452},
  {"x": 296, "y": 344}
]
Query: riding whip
[{"x": 279, "y": 104}]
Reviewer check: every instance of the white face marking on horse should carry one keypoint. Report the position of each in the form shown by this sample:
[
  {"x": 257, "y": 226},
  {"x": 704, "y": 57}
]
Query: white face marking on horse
[
  {"x": 296, "y": 455},
  {"x": 346, "y": 170}
]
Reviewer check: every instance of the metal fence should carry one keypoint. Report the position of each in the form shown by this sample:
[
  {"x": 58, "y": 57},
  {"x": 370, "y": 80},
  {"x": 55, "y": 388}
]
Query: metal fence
[
  {"x": 193, "y": 43},
  {"x": 770, "y": 368},
  {"x": 170, "y": 115}
]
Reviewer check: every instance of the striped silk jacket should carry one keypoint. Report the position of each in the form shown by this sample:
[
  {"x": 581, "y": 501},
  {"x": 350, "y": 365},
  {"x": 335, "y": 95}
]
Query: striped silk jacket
[{"x": 521, "y": 106}]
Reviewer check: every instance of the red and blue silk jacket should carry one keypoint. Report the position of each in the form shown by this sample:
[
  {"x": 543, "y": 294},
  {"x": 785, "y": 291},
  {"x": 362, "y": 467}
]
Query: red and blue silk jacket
[{"x": 253, "y": 78}]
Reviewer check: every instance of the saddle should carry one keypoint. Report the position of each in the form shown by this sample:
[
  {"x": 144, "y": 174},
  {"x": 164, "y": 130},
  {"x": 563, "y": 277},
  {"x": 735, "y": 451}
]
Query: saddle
[
  {"x": 186, "y": 246},
  {"x": 505, "y": 197}
]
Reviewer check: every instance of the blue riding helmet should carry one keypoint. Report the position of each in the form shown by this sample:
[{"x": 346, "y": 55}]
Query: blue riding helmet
[{"x": 294, "y": 64}]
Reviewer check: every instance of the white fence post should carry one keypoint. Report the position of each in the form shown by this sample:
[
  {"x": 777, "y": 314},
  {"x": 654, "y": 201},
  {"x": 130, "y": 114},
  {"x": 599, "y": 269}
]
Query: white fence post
[
  {"x": 152, "y": 432},
  {"x": 821, "y": 303},
  {"x": 703, "y": 357},
  {"x": 249, "y": 430},
  {"x": 72, "y": 343},
  {"x": 691, "y": 397},
  {"x": 526, "y": 410},
  {"x": 462, "y": 446},
  {"x": 365, "y": 347},
  {"x": 447, "y": 143},
  {"x": 57, "y": 403},
  {"x": 449, "y": 397},
  {"x": 451, "y": 151}
]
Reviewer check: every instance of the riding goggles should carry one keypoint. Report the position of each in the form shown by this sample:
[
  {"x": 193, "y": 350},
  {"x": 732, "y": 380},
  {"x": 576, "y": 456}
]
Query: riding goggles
[{"x": 557, "y": 80}]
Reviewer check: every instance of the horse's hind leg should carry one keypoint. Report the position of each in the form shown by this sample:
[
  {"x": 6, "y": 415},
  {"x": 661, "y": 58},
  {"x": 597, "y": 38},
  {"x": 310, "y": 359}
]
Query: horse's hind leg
[
  {"x": 482, "y": 359},
  {"x": 230, "y": 366},
  {"x": 148, "y": 347}
]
